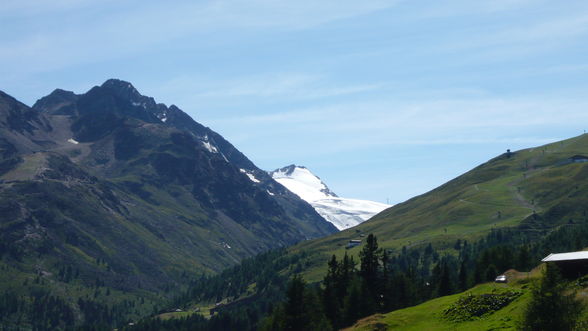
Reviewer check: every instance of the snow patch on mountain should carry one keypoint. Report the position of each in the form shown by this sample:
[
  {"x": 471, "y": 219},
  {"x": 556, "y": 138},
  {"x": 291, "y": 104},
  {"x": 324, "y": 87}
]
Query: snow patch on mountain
[
  {"x": 343, "y": 213},
  {"x": 210, "y": 147},
  {"x": 251, "y": 176}
]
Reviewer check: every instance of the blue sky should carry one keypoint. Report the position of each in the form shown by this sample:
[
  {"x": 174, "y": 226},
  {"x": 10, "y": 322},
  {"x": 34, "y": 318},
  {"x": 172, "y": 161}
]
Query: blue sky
[{"x": 381, "y": 99}]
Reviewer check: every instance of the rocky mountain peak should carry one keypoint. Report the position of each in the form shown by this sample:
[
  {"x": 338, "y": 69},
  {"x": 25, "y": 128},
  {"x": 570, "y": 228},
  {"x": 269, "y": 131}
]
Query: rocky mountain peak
[
  {"x": 56, "y": 99},
  {"x": 288, "y": 170},
  {"x": 122, "y": 88}
]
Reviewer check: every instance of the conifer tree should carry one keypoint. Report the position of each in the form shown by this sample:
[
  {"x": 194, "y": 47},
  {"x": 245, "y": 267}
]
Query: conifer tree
[
  {"x": 445, "y": 283},
  {"x": 463, "y": 276},
  {"x": 352, "y": 305},
  {"x": 331, "y": 301},
  {"x": 295, "y": 317},
  {"x": 550, "y": 307},
  {"x": 369, "y": 272}
]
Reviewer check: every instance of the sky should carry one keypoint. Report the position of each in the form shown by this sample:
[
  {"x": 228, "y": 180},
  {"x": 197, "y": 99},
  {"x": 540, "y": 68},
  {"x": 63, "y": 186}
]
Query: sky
[{"x": 384, "y": 100}]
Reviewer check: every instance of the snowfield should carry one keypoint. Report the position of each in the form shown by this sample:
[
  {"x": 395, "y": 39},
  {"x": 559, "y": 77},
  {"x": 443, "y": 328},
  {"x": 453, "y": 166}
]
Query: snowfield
[
  {"x": 303, "y": 183},
  {"x": 342, "y": 212}
]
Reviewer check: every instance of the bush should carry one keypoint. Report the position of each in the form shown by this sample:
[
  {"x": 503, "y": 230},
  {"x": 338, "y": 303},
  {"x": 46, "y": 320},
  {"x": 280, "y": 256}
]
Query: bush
[{"x": 470, "y": 306}]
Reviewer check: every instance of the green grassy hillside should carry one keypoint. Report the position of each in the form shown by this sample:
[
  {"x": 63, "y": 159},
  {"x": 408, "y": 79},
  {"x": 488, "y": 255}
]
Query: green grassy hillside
[
  {"x": 534, "y": 189},
  {"x": 429, "y": 315},
  {"x": 536, "y": 197},
  {"x": 432, "y": 315}
]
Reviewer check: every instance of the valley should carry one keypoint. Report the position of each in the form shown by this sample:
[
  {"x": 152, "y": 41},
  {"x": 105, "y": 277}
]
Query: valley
[{"x": 117, "y": 208}]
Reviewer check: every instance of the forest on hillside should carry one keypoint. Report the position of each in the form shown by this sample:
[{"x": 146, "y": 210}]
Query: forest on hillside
[{"x": 379, "y": 282}]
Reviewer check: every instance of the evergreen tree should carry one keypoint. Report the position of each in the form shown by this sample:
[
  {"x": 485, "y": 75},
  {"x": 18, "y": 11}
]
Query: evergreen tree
[
  {"x": 491, "y": 273},
  {"x": 369, "y": 260},
  {"x": 352, "y": 303},
  {"x": 463, "y": 276},
  {"x": 386, "y": 284},
  {"x": 523, "y": 259},
  {"x": 550, "y": 307},
  {"x": 445, "y": 283},
  {"x": 302, "y": 310},
  {"x": 295, "y": 318},
  {"x": 331, "y": 302},
  {"x": 314, "y": 313},
  {"x": 346, "y": 272},
  {"x": 370, "y": 272},
  {"x": 275, "y": 321}
]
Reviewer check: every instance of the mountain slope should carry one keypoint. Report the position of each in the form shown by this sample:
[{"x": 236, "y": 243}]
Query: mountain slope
[
  {"x": 429, "y": 315},
  {"x": 130, "y": 194},
  {"x": 533, "y": 190},
  {"x": 537, "y": 196},
  {"x": 460, "y": 312},
  {"x": 341, "y": 212}
]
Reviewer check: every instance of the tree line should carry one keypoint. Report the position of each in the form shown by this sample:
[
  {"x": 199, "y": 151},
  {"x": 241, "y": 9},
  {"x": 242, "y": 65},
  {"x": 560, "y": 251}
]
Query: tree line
[
  {"x": 383, "y": 283},
  {"x": 379, "y": 281}
]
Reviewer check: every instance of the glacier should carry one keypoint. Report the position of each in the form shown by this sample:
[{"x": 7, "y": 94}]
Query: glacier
[{"x": 343, "y": 213}]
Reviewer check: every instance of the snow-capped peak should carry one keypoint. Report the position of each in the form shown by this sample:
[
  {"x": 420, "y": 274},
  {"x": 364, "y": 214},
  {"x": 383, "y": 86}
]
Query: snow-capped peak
[
  {"x": 341, "y": 212},
  {"x": 302, "y": 182}
]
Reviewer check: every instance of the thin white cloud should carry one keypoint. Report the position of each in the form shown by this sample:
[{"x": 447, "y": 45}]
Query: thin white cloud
[
  {"x": 508, "y": 42},
  {"x": 86, "y": 38},
  {"x": 345, "y": 127},
  {"x": 261, "y": 88},
  {"x": 454, "y": 8},
  {"x": 551, "y": 30},
  {"x": 293, "y": 85},
  {"x": 31, "y": 8}
]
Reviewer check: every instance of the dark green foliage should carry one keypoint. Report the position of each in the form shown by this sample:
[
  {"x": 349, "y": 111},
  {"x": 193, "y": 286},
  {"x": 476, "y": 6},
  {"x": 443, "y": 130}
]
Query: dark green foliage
[
  {"x": 370, "y": 261},
  {"x": 352, "y": 310},
  {"x": 471, "y": 306},
  {"x": 371, "y": 274},
  {"x": 42, "y": 310},
  {"x": 296, "y": 317},
  {"x": 551, "y": 306},
  {"x": 446, "y": 284},
  {"x": 464, "y": 276},
  {"x": 331, "y": 299},
  {"x": 244, "y": 309},
  {"x": 404, "y": 279},
  {"x": 302, "y": 310},
  {"x": 263, "y": 270},
  {"x": 524, "y": 260}
]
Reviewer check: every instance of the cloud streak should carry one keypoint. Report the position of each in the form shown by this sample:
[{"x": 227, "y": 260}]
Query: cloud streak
[
  {"x": 274, "y": 86},
  {"x": 348, "y": 127},
  {"x": 130, "y": 29}
]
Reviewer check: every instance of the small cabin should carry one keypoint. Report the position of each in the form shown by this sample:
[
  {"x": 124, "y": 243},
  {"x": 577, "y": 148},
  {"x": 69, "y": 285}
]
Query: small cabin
[
  {"x": 578, "y": 158},
  {"x": 352, "y": 243},
  {"x": 571, "y": 264}
]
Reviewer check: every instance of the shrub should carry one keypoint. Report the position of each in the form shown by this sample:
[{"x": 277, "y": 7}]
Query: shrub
[{"x": 469, "y": 307}]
